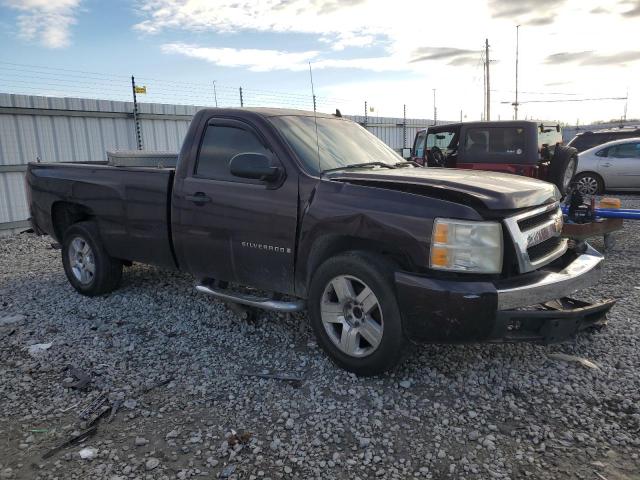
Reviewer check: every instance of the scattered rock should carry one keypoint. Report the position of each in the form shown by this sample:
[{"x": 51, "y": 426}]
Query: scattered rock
[
  {"x": 11, "y": 320},
  {"x": 38, "y": 348},
  {"x": 151, "y": 463},
  {"x": 88, "y": 453}
]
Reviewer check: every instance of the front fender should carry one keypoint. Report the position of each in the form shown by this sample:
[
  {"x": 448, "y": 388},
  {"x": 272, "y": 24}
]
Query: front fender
[{"x": 344, "y": 216}]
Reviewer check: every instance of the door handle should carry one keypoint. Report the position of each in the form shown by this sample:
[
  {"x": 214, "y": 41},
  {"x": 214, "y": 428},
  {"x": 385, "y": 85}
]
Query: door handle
[
  {"x": 198, "y": 198},
  {"x": 605, "y": 164}
]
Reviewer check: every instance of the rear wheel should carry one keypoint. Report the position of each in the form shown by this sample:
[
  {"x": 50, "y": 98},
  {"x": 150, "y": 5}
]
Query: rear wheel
[
  {"x": 563, "y": 168},
  {"x": 355, "y": 314},
  {"x": 588, "y": 183},
  {"x": 88, "y": 266}
]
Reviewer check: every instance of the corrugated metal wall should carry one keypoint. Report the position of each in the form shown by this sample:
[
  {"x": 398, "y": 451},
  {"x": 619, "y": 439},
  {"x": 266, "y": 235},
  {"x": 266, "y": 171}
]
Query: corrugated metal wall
[{"x": 53, "y": 129}]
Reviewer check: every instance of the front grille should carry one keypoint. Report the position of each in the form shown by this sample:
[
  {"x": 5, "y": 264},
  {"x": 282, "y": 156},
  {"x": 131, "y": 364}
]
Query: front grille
[
  {"x": 536, "y": 236},
  {"x": 535, "y": 221},
  {"x": 545, "y": 248}
]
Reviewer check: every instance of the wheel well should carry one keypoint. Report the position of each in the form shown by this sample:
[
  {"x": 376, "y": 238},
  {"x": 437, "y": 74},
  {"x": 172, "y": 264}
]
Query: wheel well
[
  {"x": 333, "y": 245},
  {"x": 65, "y": 214}
]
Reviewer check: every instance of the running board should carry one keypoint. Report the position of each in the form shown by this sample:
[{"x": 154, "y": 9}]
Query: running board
[{"x": 253, "y": 301}]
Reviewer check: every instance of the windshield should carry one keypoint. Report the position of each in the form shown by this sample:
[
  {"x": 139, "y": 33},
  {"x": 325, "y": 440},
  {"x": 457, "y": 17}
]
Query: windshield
[
  {"x": 341, "y": 143},
  {"x": 443, "y": 140}
]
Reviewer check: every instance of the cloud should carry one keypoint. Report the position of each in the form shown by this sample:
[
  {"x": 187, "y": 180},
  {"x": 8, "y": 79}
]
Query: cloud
[
  {"x": 591, "y": 58},
  {"x": 456, "y": 56},
  {"x": 256, "y": 60},
  {"x": 47, "y": 22},
  {"x": 529, "y": 12},
  {"x": 264, "y": 60},
  {"x": 634, "y": 11},
  {"x": 332, "y": 20}
]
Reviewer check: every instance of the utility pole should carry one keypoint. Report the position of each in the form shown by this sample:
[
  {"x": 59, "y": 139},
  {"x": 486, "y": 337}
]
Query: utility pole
[
  {"x": 435, "y": 110},
  {"x": 241, "y": 99},
  {"x": 460, "y": 115},
  {"x": 515, "y": 104},
  {"x": 626, "y": 100},
  {"x": 404, "y": 125},
  {"x": 215, "y": 94},
  {"x": 136, "y": 120},
  {"x": 488, "y": 95},
  {"x": 484, "y": 90},
  {"x": 366, "y": 114}
]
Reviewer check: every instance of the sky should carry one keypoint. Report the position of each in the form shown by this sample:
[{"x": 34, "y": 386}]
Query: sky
[{"x": 389, "y": 54}]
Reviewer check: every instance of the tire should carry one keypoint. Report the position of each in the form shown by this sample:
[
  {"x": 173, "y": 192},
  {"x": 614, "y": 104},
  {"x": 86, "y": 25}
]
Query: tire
[
  {"x": 589, "y": 183},
  {"x": 88, "y": 266},
  {"x": 563, "y": 168},
  {"x": 361, "y": 332}
]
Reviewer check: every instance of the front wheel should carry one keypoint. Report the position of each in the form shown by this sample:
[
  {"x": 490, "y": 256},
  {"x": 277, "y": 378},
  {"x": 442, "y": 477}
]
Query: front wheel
[
  {"x": 88, "y": 266},
  {"x": 354, "y": 313}
]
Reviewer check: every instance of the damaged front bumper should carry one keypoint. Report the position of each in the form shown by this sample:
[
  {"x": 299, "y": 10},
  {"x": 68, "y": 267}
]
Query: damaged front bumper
[{"x": 534, "y": 307}]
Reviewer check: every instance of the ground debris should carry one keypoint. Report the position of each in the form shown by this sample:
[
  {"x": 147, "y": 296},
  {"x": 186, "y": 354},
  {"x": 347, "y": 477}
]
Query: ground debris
[
  {"x": 573, "y": 358},
  {"x": 81, "y": 379},
  {"x": 71, "y": 441},
  {"x": 294, "y": 380},
  {"x": 94, "y": 406},
  {"x": 239, "y": 438}
]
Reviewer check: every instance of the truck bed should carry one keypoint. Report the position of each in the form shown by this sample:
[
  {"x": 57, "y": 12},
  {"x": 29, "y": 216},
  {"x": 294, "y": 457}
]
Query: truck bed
[{"x": 130, "y": 204}]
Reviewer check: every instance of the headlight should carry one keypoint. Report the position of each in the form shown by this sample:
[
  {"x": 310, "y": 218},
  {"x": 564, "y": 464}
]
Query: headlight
[{"x": 464, "y": 246}]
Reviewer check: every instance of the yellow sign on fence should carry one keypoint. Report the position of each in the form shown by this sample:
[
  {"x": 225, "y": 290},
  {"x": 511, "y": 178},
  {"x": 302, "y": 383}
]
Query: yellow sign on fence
[{"x": 141, "y": 89}]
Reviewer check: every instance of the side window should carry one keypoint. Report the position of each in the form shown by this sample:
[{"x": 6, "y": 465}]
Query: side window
[
  {"x": 219, "y": 145},
  {"x": 495, "y": 140},
  {"x": 602, "y": 153},
  {"x": 625, "y": 150}
]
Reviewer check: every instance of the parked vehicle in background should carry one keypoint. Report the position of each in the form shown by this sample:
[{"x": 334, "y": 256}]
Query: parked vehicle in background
[
  {"x": 587, "y": 140},
  {"x": 286, "y": 210},
  {"x": 611, "y": 166},
  {"x": 520, "y": 147}
]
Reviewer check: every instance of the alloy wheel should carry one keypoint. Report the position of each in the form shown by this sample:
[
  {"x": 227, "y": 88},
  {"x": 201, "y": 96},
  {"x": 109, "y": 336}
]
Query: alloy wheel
[
  {"x": 587, "y": 185},
  {"x": 82, "y": 261},
  {"x": 352, "y": 316}
]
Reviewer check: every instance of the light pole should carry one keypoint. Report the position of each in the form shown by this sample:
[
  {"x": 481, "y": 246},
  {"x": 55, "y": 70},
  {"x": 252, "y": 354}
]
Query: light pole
[
  {"x": 435, "y": 111},
  {"x": 515, "y": 104}
]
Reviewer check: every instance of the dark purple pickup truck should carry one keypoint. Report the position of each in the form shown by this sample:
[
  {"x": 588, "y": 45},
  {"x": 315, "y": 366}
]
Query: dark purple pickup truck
[{"x": 286, "y": 210}]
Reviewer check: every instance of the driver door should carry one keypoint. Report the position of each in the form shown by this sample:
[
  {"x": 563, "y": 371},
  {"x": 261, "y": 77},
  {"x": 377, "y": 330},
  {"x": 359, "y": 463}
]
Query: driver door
[{"x": 236, "y": 229}]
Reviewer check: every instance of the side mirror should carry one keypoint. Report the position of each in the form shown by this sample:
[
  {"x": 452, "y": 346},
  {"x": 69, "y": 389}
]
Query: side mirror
[{"x": 253, "y": 165}]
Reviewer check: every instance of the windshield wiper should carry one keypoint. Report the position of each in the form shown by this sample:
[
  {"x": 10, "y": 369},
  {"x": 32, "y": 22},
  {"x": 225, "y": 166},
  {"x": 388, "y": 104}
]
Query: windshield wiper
[
  {"x": 406, "y": 163},
  {"x": 359, "y": 165}
]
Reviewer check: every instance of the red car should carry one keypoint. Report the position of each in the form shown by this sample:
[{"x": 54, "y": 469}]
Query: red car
[{"x": 520, "y": 147}]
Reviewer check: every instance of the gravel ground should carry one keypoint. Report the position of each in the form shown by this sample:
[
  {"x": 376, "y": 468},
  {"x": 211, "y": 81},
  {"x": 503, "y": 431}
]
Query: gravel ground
[{"x": 172, "y": 359}]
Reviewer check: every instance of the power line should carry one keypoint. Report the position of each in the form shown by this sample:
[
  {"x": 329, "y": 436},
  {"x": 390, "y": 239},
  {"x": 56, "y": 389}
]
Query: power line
[{"x": 569, "y": 100}]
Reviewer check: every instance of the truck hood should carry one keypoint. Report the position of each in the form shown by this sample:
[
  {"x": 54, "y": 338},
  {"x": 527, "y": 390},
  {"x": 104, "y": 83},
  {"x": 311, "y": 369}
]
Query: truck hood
[{"x": 496, "y": 191}]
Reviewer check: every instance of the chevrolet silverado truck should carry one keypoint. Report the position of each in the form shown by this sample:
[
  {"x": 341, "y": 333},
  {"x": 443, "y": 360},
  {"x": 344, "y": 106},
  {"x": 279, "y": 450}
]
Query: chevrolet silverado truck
[{"x": 287, "y": 210}]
